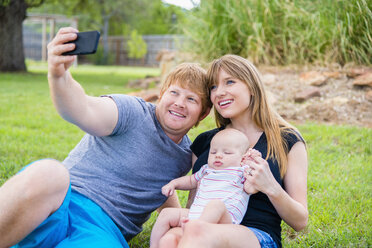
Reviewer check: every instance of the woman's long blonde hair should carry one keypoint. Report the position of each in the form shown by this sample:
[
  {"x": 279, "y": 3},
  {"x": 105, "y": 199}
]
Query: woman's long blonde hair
[{"x": 263, "y": 115}]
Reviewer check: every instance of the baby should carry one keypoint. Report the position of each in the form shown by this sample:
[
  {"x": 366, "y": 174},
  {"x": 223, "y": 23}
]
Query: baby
[{"x": 221, "y": 196}]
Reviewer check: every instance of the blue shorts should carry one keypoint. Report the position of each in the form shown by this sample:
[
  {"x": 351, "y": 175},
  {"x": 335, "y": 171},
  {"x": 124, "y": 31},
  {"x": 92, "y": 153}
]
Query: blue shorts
[
  {"x": 78, "y": 222},
  {"x": 266, "y": 241}
]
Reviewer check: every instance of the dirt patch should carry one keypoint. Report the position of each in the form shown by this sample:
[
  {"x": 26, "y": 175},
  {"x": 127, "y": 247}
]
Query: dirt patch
[
  {"x": 340, "y": 102},
  {"x": 333, "y": 95}
]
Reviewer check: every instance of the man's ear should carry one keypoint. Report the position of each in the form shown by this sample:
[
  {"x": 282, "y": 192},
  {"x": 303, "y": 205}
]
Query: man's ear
[{"x": 205, "y": 114}]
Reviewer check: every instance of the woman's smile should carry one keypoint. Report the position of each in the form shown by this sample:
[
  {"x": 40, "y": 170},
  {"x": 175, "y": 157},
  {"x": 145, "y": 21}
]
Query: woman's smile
[{"x": 225, "y": 103}]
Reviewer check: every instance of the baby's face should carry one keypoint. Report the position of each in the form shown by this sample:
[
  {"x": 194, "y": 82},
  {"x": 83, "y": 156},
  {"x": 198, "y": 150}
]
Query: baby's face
[{"x": 224, "y": 153}]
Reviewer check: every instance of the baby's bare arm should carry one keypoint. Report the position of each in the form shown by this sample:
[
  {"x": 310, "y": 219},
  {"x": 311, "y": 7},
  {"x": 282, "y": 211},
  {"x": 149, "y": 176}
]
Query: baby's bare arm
[{"x": 182, "y": 183}]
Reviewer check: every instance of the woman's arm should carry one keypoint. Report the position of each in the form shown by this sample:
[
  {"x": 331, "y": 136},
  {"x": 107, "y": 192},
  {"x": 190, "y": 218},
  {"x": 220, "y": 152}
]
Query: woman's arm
[{"x": 291, "y": 204}]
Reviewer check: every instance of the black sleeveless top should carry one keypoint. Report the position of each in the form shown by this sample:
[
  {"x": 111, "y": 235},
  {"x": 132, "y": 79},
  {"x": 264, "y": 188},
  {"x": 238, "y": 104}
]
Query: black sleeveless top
[{"x": 260, "y": 214}]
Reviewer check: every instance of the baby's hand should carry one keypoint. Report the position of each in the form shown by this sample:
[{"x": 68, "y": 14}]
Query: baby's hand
[
  {"x": 254, "y": 153},
  {"x": 168, "y": 189},
  {"x": 250, "y": 155}
]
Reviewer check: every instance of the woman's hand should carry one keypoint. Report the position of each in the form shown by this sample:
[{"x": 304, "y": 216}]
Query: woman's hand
[{"x": 58, "y": 63}]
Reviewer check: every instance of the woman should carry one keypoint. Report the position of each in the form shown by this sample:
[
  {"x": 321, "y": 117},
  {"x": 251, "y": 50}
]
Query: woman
[{"x": 278, "y": 180}]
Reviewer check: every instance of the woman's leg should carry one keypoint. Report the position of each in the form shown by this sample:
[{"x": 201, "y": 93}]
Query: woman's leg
[
  {"x": 29, "y": 197},
  {"x": 197, "y": 233},
  {"x": 168, "y": 218}
]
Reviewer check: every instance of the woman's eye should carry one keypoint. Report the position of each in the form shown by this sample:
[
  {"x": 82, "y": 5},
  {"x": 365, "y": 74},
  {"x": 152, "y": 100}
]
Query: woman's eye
[
  {"x": 192, "y": 99},
  {"x": 213, "y": 87},
  {"x": 230, "y": 82}
]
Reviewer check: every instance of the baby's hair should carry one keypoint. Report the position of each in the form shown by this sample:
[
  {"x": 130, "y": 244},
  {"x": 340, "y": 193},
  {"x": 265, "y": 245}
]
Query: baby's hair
[{"x": 238, "y": 136}]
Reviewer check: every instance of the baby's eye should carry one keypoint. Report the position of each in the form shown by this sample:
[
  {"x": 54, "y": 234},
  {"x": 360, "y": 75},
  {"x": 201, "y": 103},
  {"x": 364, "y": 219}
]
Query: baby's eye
[
  {"x": 230, "y": 82},
  {"x": 173, "y": 92}
]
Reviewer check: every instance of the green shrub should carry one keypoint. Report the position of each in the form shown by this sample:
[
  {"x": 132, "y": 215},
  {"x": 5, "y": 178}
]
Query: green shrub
[{"x": 137, "y": 47}]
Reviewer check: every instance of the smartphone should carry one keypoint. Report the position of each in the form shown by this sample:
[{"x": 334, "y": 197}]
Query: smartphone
[{"x": 85, "y": 43}]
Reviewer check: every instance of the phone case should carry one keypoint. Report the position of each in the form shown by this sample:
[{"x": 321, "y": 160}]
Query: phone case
[{"x": 86, "y": 43}]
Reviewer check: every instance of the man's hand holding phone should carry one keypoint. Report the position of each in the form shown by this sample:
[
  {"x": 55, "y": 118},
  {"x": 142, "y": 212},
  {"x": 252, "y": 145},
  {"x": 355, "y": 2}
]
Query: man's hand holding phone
[
  {"x": 68, "y": 41},
  {"x": 58, "y": 64}
]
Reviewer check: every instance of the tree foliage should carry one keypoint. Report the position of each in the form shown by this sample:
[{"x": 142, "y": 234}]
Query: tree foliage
[
  {"x": 146, "y": 16},
  {"x": 112, "y": 17}
]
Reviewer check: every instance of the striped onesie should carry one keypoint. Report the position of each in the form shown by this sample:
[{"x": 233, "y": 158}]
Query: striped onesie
[{"x": 222, "y": 184}]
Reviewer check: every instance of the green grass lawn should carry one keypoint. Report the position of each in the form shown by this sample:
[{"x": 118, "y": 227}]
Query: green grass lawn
[{"x": 340, "y": 157}]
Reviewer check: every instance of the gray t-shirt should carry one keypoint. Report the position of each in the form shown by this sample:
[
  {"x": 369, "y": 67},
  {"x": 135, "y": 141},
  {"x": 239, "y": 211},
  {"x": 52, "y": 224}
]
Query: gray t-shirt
[{"x": 124, "y": 172}]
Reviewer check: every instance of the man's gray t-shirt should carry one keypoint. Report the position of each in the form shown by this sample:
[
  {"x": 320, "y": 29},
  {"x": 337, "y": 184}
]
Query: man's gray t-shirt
[{"x": 124, "y": 172}]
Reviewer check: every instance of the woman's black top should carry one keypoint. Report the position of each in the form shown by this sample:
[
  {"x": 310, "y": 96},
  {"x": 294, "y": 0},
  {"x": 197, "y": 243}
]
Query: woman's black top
[{"x": 260, "y": 214}]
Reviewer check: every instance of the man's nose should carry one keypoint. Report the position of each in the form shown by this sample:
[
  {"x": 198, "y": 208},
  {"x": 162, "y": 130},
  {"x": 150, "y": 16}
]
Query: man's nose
[{"x": 180, "y": 102}]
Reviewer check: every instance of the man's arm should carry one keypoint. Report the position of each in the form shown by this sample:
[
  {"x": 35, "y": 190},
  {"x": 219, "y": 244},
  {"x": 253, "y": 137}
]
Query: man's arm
[{"x": 95, "y": 115}]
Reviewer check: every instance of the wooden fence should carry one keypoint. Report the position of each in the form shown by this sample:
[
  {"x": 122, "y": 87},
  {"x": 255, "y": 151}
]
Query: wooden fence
[
  {"x": 37, "y": 33},
  {"x": 155, "y": 43}
]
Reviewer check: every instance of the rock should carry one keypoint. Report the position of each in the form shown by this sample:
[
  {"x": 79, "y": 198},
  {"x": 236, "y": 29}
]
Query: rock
[
  {"x": 167, "y": 61},
  {"x": 268, "y": 79},
  {"x": 134, "y": 83},
  {"x": 313, "y": 78},
  {"x": 336, "y": 101},
  {"x": 143, "y": 83},
  {"x": 369, "y": 95},
  {"x": 363, "y": 80},
  {"x": 307, "y": 93},
  {"x": 147, "y": 95},
  {"x": 332, "y": 74},
  {"x": 151, "y": 97},
  {"x": 355, "y": 72},
  {"x": 271, "y": 97}
]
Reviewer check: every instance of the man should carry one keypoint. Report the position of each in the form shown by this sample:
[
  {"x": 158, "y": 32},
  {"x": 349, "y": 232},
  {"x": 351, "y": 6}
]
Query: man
[{"x": 107, "y": 187}]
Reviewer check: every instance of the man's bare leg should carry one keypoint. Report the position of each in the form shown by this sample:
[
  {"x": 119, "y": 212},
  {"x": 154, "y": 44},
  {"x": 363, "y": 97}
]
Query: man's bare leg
[{"x": 29, "y": 197}]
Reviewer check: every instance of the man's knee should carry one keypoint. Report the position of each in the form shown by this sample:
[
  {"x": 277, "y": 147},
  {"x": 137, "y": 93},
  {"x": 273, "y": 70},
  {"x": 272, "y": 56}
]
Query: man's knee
[{"x": 44, "y": 177}]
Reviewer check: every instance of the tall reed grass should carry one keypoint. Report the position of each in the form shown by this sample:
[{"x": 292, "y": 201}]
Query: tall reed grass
[{"x": 283, "y": 31}]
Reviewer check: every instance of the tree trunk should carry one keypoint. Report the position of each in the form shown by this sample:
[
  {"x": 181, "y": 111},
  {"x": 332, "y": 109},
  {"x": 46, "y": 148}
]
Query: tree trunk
[{"x": 12, "y": 56}]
